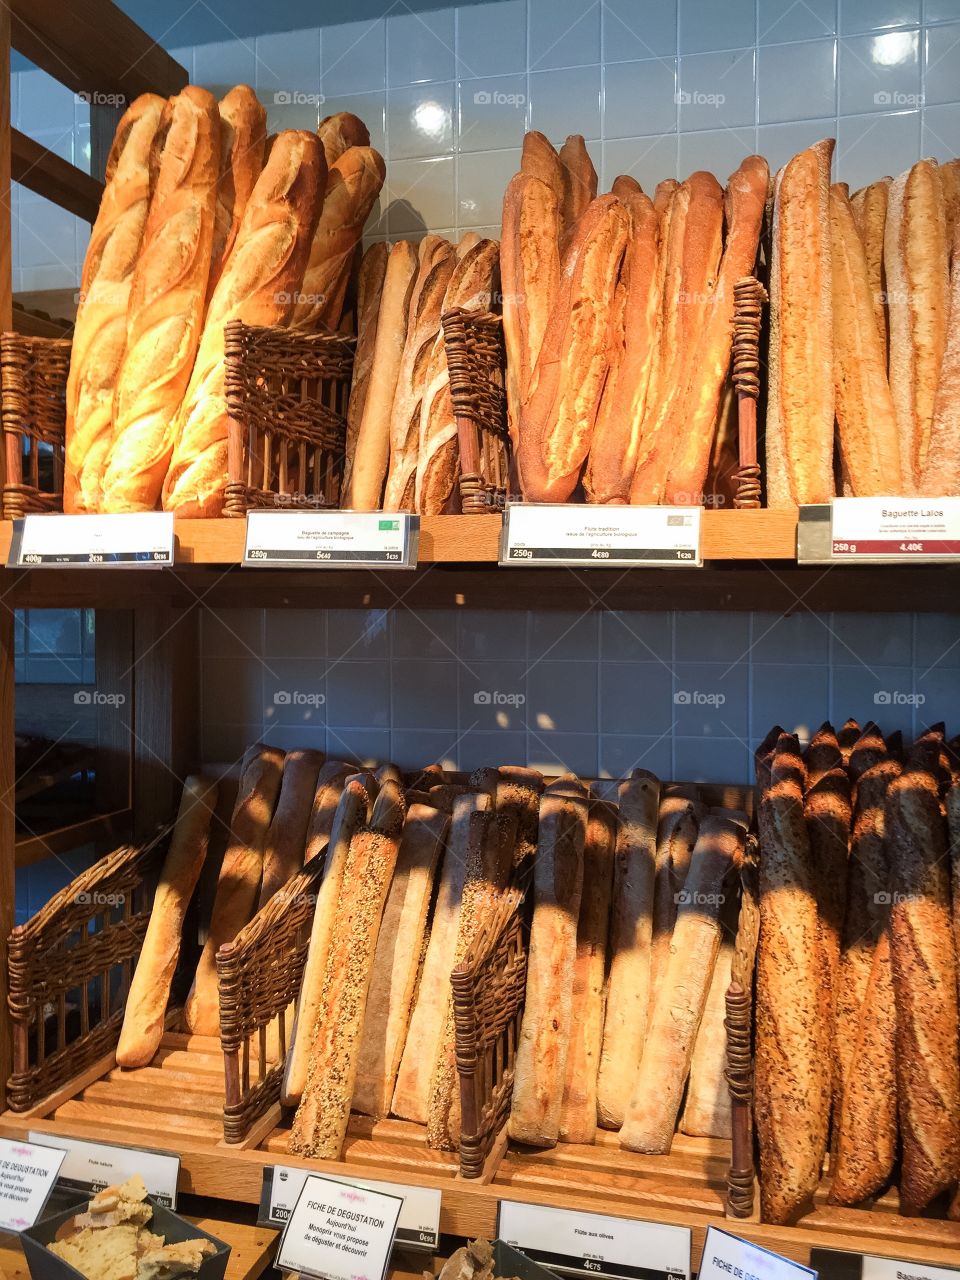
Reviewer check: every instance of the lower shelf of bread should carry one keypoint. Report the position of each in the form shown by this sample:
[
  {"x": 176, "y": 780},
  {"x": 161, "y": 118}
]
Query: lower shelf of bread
[{"x": 176, "y": 1104}]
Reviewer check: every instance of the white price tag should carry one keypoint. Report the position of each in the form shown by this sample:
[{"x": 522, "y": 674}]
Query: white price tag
[
  {"x": 608, "y": 537},
  {"x": 27, "y": 1176},
  {"x": 725, "y": 1257},
  {"x": 418, "y": 1226},
  {"x": 895, "y": 529},
  {"x": 140, "y": 540},
  {"x": 838, "y": 1264},
  {"x": 91, "y": 1166},
  {"x": 339, "y": 1231},
  {"x": 331, "y": 539},
  {"x": 595, "y": 1243}
]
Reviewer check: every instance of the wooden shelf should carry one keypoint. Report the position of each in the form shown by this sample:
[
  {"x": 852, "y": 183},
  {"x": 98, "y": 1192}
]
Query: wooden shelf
[
  {"x": 51, "y": 176},
  {"x": 102, "y": 826}
]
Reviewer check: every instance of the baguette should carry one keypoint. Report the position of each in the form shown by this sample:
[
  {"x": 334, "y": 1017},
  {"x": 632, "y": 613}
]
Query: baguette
[
  {"x": 239, "y": 882},
  {"x": 518, "y": 791},
  {"x": 940, "y": 474},
  {"x": 869, "y": 207},
  {"x": 657, "y": 1087},
  {"x": 332, "y": 778},
  {"x": 257, "y": 286},
  {"x": 352, "y": 812},
  {"x": 243, "y": 124},
  {"x": 283, "y": 854},
  {"x": 559, "y": 413},
  {"x": 100, "y": 333},
  {"x": 924, "y": 967},
  {"x": 578, "y": 1109},
  {"x": 353, "y": 184},
  {"x": 540, "y": 160},
  {"x": 847, "y": 738},
  {"x": 792, "y": 1044},
  {"x": 800, "y": 399},
  {"x": 546, "y": 1029},
  {"x": 579, "y": 179},
  {"x": 916, "y": 261},
  {"x": 631, "y": 936},
  {"x": 868, "y": 750},
  {"x": 397, "y": 961},
  {"x": 370, "y": 285},
  {"x": 822, "y": 754},
  {"x": 866, "y": 421},
  {"x": 339, "y": 133},
  {"x": 706, "y": 1111},
  {"x": 677, "y": 827},
  {"x": 372, "y": 451},
  {"x": 320, "y": 1124},
  {"x": 952, "y": 807},
  {"x": 167, "y": 301},
  {"x": 146, "y": 1006},
  {"x": 663, "y": 195}
]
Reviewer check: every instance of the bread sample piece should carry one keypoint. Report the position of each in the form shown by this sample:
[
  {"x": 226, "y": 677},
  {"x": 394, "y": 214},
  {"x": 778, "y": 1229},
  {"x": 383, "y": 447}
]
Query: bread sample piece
[
  {"x": 869, "y": 207},
  {"x": 657, "y": 1088},
  {"x": 146, "y": 1006},
  {"x": 915, "y": 257},
  {"x": 547, "y": 1026},
  {"x": 579, "y": 179},
  {"x": 396, "y": 965},
  {"x": 706, "y": 1111},
  {"x": 243, "y": 123},
  {"x": 793, "y": 1073},
  {"x": 181, "y": 1258},
  {"x": 800, "y": 399},
  {"x": 372, "y": 454},
  {"x": 578, "y": 1111},
  {"x": 866, "y": 421},
  {"x": 354, "y": 181},
  {"x": 940, "y": 474},
  {"x": 925, "y": 984},
  {"x": 257, "y": 286},
  {"x": 283, "y": 853},
  {"x": 239, "y": 884},
  {"x": 339, "y": 133},
  {"x": 631, "y": 937},
  {"x": 370, "y": 282},
  {"x": 100, "y": 333},
  {"x": 352, "y": 812},
  {"x": 320, "y": 1124},
  {"x": 559, "y": 414},
  {"x": 331, "y": 780}
]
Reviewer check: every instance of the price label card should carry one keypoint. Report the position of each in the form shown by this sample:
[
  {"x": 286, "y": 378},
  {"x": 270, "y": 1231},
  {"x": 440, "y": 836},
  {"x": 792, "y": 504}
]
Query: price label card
[
  {"x": 417, "y": 1228},
  {"x": 91, "y": 1166},
  {"x": 339, "y": 1231},
  {"x": 141, "y": 540},
  {"x": 895, "y": 529},
  {"x": 595, "y": 1243},
  {"x": 331, "y": 539},
  {"x": 837, "y": 1264},
  {"x": 610, "y": 537},
  {"x": 726, "y": 1257},
  {"x": 27, "y": 1176}
]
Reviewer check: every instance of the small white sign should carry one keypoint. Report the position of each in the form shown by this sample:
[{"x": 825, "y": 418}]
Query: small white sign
[
  {"x": 726, "y": 1257},
  {"x": 895, "y": 529},
  {"x": 331, "y": 539},
  {"x": 339, "y": 1231},
  {"x": 595, "y": 1243},
  {"x": 588, "y": 536},
  {"x": 418, "y": 1226},
  {"x": 874, "y": 1268},
  {"x": 27, "y": 1175},
  {"x": 140, "y": 540},
  {"x": 91, "y": 1166}
]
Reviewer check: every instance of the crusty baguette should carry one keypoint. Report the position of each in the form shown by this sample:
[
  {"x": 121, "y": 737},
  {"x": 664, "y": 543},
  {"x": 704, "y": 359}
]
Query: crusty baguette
[
  {"x": 578, "y": 1111},
  {"x": 518, "y": 791},
  {"x": 706, "y": 1110},
  {"x": 924, "y": 967},
  {"x": 848, "y": 735},
  {"x": 100, "y": 333},
  {"x": 579, "y": 179},
  {"x": 792, "y": 1046},
  {"x": 332, "y": 777},
  {"x": 372, "y": 453},
  {"x": 320, "y": 1125},
  {"x": 822, "y": 753},
  {"x": 243, "y": 123},
  {"x": 800, "y": 399},
  {"x": 354, "y": 181},
  {"x": 370, "y": 283},
  {"x": 663, "y": 195},
  {"x": 257, "y": 286},
  {"x": 167, "y": 302},
  {"x": 339, "y": 133},
  {"x": 869, "y": 207},
  {"x": 657, "y": 1087},
  {"x": 677, "y": 826},
  {"x": 546, "y": 1029},
  {"x": 631, "y": 937},
  {"x": 952, "y": 808},
  {"x": 940, "y": 474},
  {"x": 283, "y": 853},
  {"x": 239, "y": 883},
  {"x": 146, "y": 1006},
  {"x": 558, "y": 416},
  {"x": 397, "y": 961},
  {"x": 539, "y": 159},
  {"x": 916, "y": 261},
  {"x": 352, "y": 812},
  {"x": 868, "y": 750}
]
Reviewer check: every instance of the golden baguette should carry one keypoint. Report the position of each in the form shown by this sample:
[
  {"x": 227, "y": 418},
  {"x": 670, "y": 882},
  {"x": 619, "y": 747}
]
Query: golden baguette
[
  {"x": 706, "y": 1109},
  {"x": 339, "y": 133},
  {"x": 663, "y": 196},
  {"x": 283, "y": 853},
  {"x": 331, "y": 781},
  {"x": 539, "y": 159},
  {"x": 370, "y": 286},
  {"x": 243, "y": 123},
  {"x": 100, "y": 333},
  {"x": 940, "y": 475},
  {"x": 579, "y": 179},
  {"x": 869, "y": 206},
  {"x": 678, "y": 821}
]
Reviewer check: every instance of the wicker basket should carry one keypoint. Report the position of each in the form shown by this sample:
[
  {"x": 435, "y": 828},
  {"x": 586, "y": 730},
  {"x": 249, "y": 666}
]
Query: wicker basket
[
  {"x": 476, "y": 362},
  {"x": 33, "y": 404},
  {"x": 287, "y": 395}
]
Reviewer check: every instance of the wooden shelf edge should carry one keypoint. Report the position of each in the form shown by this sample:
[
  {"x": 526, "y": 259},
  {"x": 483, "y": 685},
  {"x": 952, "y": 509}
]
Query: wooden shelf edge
[
  {"x": 32, "y": 849},
  {"x": 49, "y": 175}
]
